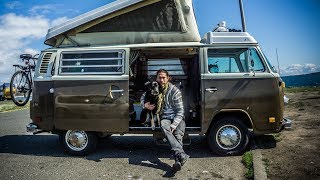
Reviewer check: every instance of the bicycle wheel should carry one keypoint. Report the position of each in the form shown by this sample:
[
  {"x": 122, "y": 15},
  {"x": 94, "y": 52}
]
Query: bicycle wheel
[{"x": 20, "y": 88}]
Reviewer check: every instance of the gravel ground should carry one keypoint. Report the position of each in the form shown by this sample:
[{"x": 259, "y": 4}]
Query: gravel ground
[
  {"x": 295, "y": 154},
  {"x": 26, "y": 156}
]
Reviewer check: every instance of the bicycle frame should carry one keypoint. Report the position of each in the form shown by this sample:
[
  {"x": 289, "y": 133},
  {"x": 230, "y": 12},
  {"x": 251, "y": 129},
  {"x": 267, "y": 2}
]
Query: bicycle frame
[
  {"x": 15, "y": 91},
  {"x": 29, "y": 67}
]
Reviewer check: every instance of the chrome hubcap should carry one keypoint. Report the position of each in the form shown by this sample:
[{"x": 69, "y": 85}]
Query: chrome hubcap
[
  {"x": 76, "y": 140},
  {"x": 228, "y": 137}
]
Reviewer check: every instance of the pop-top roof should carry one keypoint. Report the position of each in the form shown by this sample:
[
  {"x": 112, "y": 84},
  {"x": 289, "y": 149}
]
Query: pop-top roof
[
  {"x": 89, "y": 16},
  {"x": 129, "y": 22}
]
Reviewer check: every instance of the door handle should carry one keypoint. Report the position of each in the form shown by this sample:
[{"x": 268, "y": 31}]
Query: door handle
[
  {"x": 116, "y": 91},
  {"x": 212, "y": 90}
]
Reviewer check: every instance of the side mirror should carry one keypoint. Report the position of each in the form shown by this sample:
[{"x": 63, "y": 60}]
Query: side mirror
[{"x": 252, "y": 71}]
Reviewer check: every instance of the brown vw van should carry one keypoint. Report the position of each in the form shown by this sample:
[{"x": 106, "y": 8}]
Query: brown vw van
[{"x": 90, "y": 82}]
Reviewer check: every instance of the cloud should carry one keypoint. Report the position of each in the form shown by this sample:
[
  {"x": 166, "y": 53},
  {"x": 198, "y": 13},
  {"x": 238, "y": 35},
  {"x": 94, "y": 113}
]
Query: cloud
[
  {"x": 298, "y": 69},
  {"x": 16, "y": 34},
  {"x": 43, "y": 9},
  {"x": 21, "y": 26},
  {"x": 52, "y": 9},
  {"x": 13, "y": 5}
]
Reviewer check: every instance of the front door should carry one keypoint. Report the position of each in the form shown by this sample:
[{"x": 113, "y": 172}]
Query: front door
[
  {"x": 91, "y": 90},
  {"x": 238, "y": 79}
]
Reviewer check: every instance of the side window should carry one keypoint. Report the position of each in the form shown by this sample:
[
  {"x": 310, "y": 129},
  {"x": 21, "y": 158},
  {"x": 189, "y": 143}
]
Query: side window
[
  {"x": 225, "y": 60},
  {"x": 222, "y": 65},
  {"x": 92, "y": 62},
  {"x": 255, "y": 61},
  {"x": 234, "y": 60}
]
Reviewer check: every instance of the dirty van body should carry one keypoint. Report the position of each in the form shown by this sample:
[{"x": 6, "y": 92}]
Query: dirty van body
[
  {"x": 78, "y": 102},
  {"x": 89, "y": 83}
]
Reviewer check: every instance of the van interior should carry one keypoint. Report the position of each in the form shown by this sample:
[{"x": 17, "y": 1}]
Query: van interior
[{"x": 183, "y": 67}]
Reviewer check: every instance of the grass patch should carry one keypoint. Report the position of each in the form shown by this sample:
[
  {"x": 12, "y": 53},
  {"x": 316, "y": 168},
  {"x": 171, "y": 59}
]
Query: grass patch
[
  {"x": 247, "y": 160},
  {"x": 277, "y": 137},
  {"x": 301, "y": 89},
  {"x": 12, "y": 107},
  {"x": 266, "y": 163}
]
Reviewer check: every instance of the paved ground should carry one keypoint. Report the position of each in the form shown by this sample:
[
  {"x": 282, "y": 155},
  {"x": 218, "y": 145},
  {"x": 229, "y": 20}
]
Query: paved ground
[{"x": 26, "y": 156}]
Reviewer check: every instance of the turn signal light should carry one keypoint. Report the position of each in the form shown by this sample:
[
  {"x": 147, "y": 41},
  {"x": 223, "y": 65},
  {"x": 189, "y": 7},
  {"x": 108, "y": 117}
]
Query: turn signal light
[{"x": 272, "y": 120}]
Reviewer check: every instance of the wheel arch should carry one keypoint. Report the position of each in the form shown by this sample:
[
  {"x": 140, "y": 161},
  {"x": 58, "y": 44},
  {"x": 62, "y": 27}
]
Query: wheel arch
[{"x": 243, "y": 115}]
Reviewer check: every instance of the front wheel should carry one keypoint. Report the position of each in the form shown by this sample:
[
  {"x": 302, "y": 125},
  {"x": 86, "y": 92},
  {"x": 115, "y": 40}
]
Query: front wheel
[
  {"x": 228, "y": 136},
  {"x": 20, "y": 88},
  {"x": 78, "y": 143}
]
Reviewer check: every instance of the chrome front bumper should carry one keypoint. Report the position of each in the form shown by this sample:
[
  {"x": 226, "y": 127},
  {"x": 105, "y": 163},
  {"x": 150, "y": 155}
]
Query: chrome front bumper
[{"x": 286, "y": 123}]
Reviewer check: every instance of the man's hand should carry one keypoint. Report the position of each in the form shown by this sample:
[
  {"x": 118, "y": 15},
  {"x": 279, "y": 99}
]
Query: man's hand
[
  {"x": 172, "y": 129},
  {"x": 149, "y": 106}
]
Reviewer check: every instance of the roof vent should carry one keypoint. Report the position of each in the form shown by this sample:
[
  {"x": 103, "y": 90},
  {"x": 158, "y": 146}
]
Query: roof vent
[{"x": 45, "y": 62}]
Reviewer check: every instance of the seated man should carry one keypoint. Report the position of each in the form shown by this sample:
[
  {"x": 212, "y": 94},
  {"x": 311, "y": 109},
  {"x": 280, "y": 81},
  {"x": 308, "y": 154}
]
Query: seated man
[{"x": 171, "y": 113}]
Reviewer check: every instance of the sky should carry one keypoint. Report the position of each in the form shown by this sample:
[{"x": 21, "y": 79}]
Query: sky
[{"x": 288, "y": 26}]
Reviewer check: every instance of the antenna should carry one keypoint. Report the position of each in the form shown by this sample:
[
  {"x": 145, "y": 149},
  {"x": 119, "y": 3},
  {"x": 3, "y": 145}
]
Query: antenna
[
  {"x": 242, "y": 17},
  {"x": 278, "y": 61}
]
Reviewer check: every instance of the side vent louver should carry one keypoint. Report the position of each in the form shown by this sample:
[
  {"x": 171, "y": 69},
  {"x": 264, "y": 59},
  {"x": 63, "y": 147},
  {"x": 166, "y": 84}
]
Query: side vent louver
[{"x": 45, "y": 62}]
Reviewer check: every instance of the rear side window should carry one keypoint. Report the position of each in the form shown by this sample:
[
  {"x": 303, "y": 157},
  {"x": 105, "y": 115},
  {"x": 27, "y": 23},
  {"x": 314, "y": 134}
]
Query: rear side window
[
  {"x": 92, "y": 62},
  {"x": 234, "y": 60}
]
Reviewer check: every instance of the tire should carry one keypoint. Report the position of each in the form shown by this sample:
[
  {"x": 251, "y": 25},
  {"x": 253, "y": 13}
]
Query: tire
[
  {"x": 78, "y": 143},
  {"x": 228, "y": 136},
  {"x": 20, "y": 88}
]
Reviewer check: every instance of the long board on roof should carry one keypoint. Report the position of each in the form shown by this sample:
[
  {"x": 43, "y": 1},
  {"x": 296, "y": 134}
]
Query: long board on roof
[{"x": 129, "y": 22}]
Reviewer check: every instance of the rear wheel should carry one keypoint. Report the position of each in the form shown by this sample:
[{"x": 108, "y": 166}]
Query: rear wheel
[
  {"x": 20, "y": 88},
  {"x": 228, "y": 136},
  {"x": 78, "y": 143}
]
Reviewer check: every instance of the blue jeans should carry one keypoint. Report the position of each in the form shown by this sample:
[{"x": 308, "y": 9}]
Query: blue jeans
[{"x": 175, "y": 138}]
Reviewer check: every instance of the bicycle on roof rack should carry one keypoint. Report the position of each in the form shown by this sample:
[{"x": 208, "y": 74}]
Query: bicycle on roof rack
[{"x": 21, "y": 81}]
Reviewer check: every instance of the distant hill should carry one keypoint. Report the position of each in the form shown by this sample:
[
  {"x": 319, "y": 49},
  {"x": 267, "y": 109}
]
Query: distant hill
[{"x": 312, "y": 79}]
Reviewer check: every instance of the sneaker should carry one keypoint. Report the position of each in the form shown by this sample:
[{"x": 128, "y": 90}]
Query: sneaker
[
  {"x": 177, "y": 164},
  {"x": 183, "y": 158}
]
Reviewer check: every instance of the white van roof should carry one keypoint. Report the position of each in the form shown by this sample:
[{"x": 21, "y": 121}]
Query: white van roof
[
  {"x": 228, "y": 38},
  {"x": 129, "y": 22}
]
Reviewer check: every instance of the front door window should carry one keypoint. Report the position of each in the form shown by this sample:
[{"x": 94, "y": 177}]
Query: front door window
[{"x": 234, "y": 60}]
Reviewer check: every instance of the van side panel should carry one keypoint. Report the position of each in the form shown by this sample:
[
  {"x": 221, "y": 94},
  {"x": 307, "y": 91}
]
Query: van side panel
[
  {"x": 41, "y": 105},
  {"x": 88, "y": 105},
  {"x": 258, "y": 97}
]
